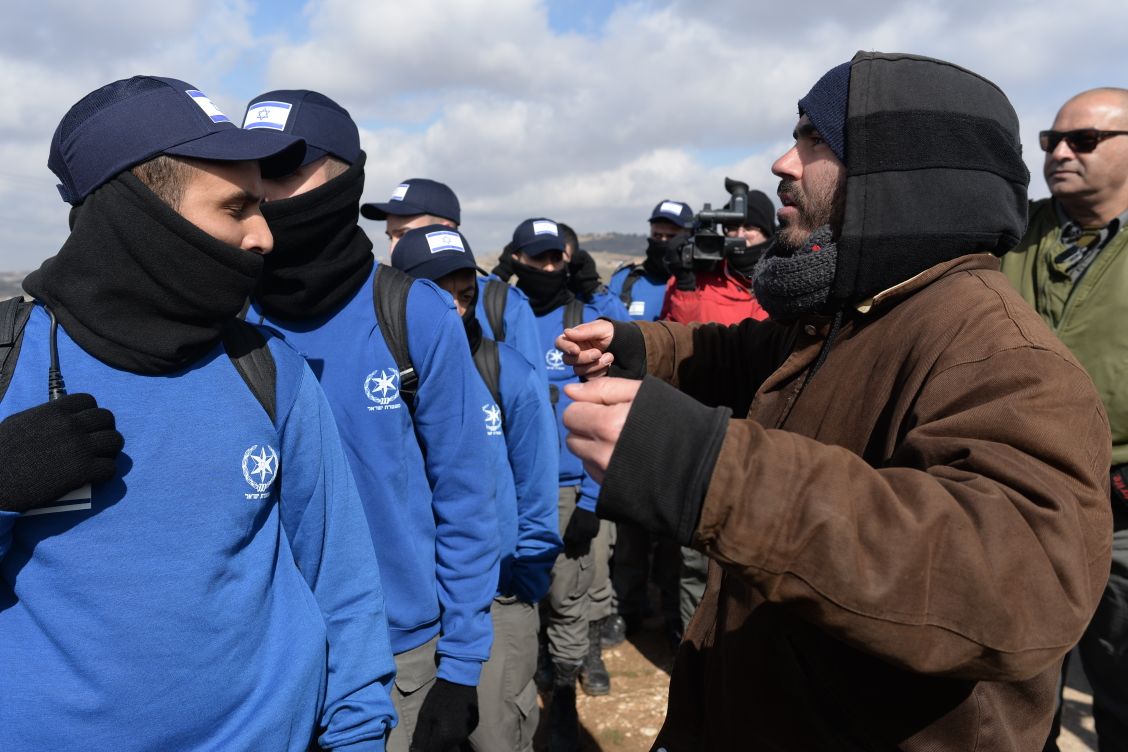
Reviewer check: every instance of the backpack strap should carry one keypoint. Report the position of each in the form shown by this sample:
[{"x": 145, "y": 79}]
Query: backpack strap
[
  {"x": 496, "y": 295},
  {"x": 390, "y": 287},
  {"x": 488, "y": 360},
  {"x": 628, "y": 283},
  {"x": 249, "y": 353},
  {"x": 13, "y": 316},
  {"x": 573, "y": 313}
]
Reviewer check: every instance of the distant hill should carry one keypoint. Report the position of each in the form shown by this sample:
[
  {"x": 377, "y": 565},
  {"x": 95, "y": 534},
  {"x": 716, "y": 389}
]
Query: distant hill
[{"x": 614, "y": 242}]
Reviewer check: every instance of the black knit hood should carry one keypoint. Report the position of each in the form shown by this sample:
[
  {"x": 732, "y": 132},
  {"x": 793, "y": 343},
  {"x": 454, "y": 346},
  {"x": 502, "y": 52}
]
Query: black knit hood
[{"x": 934, "y": 171}]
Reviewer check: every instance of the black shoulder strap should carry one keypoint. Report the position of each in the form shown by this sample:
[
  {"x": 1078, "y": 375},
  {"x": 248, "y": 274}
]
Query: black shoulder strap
[
  {"x": 573, "y": 313},
  {"x": 249, "y": 353},
  {"x": 488, "y": 360},
  {"x": 628, "y": 283},
  {"x": 390, "y": 287},
  {"x": 13, "y": 316},
  {"x": 497, "y": 293}
]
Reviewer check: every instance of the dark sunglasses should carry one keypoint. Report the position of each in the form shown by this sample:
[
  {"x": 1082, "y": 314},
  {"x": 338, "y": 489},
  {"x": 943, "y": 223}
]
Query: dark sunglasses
[{"x": 1080, "y": 141}]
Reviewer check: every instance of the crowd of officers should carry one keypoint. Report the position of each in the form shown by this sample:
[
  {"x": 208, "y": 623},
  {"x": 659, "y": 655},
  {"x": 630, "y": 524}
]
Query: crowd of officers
[{"x": 410, "y": 483}]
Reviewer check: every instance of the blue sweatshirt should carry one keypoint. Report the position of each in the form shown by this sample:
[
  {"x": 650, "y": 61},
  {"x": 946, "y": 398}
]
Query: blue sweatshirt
[
  {"x": 606, "y": 302},
  {"x": 550, "y": 325},
  {"x": 520, "y": 324},
  {"x": 430, "y": 507},
  {"x": 527, "y": 460},
  {"x": 191, "y": 606},
  {"x": 647, "y": 295}
]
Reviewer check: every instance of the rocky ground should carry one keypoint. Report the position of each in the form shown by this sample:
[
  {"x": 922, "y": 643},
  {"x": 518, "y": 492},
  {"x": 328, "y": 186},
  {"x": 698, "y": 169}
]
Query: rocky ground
[{"x": 628, "y": 719}]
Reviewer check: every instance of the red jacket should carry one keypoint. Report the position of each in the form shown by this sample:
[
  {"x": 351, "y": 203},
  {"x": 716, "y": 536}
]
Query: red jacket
[{"x": 720, "y": 297}]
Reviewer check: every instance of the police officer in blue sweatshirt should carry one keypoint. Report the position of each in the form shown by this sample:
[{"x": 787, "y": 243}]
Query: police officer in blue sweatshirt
[
  {"x": 418, "y": 202},
  {"x": 418, "y": 460},
  {"x": 523, "y": 436},
  {"x": 201, "y": 593},
  {"x": 538, "y": 262},
  {"x": 642, "y": 287},
  {"x": 583, "y": 276}
]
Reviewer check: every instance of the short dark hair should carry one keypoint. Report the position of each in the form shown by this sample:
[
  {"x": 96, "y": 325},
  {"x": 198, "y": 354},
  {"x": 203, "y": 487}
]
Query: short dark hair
[
  {"x": 568, "y": 235},
  {"x": 166, "y": 176}
]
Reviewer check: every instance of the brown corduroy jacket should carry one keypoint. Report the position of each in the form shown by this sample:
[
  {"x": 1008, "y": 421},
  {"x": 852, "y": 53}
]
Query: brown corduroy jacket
[{"x": 904, "y": 548}]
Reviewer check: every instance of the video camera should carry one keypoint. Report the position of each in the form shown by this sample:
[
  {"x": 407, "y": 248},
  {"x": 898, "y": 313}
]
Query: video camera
[{"x": 709, "y": 244}]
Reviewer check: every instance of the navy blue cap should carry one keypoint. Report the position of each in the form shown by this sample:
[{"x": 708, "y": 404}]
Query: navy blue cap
[
  {"x": 417, "y": 196},
  {"x": 132, "y": 120},
  {"x": 536, "y": 236},
  {"x": 432, "y": 252},
  {"x": 677, "y": 212},
  {"x": 825, "y": 106},
  {"x": 325, "y": 125}
]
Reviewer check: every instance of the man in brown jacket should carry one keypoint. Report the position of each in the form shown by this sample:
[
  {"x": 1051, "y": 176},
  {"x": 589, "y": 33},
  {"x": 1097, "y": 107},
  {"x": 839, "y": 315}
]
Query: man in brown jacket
[{"x": 901, "y": 478}]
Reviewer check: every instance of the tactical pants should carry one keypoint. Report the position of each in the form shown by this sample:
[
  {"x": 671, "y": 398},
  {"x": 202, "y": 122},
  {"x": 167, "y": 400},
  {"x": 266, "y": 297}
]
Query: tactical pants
[
  {"x": 568, "y": 593},
  {"x": 507, "y": 696},
  {"x": 415, "y": 675},
  {"x": 1104, "y": 646},
  {"x": 601, "y": 595}
]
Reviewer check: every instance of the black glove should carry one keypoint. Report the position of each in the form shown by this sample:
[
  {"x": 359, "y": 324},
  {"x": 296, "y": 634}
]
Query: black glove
[
  {"x": 504, "y": 268},
  {"x": 54, "y": 448},
  {"x": 583, "y": 526},
  {"x": 448, "y": 716},
  {"x": 683, "y": 273}
]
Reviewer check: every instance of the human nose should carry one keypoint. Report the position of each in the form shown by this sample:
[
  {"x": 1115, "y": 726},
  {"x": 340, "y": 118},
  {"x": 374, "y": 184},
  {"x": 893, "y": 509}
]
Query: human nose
[
  {"x": 788, "y": 165},
  {"x": 257, "y": 238}
]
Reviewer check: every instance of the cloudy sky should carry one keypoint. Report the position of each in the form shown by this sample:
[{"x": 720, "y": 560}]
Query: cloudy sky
[{"x": 589, "y": 112}]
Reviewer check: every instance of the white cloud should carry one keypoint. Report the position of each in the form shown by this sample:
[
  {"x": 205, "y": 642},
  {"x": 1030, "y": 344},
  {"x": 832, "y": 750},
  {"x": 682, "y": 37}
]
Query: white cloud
[{"x": 663, "y": 100}]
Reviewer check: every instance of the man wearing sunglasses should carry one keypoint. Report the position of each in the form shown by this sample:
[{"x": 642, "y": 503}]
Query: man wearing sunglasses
[{"x": 1072, "y": 266}]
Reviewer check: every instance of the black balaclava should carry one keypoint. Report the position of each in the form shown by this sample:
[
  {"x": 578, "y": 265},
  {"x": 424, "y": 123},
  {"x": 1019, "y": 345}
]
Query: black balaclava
[
  {"x": 140, "y": 287},
  {"x": 659, "y": 254},
  {"x": 547, "y": 291},
  {"x": 321, "y": 256}
]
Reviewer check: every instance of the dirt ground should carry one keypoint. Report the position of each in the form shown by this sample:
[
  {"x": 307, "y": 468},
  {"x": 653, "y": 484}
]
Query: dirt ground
[{"x": 628, "y": 719}]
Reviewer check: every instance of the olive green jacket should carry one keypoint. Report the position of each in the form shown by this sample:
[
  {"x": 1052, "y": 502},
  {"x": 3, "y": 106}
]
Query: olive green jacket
[{"x": 1093, "y": 323}]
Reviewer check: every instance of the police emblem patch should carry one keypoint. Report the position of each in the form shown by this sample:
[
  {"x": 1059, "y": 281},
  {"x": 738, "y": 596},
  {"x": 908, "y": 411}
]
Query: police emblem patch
[
  {"x": 493, "y": 419},
  {"x": 260, "y": 468},
  {"x": 382, "y": 387},
  {"x": 554, "y": 360}
]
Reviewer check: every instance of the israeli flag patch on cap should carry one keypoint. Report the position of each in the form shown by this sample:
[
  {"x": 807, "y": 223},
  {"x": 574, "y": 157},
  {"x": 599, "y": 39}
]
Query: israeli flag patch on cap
[
  {"x": 268, "y": 115},
  {"x": 206, "y": 105},
  {"x": 400, "y": 192},
  {"x": 545, "y": 228},
  {"x": 445, "y": 241},
  {"x": 671, "y": 207}
]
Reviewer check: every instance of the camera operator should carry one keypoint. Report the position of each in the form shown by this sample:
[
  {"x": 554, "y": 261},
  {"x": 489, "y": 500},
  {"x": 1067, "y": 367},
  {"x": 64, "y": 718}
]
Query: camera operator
[{"x": 721, "y": 291}]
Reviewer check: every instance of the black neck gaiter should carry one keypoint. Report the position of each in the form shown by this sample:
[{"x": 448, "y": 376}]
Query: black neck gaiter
[
  {"x": 138, "y": 286},
  {"x": 658, "y": 255},
  {"x": 547, "y": 291},
  {"x": 321, "y": 256},
  {"x": 744, "y": 261}
]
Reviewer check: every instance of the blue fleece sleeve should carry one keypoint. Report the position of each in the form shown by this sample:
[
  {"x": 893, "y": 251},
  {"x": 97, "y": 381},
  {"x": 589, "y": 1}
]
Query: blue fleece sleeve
[
  {"x": 7, "y": 522},
  {"x": 450, "y": 425},
  {"x": 532, "y": 441},
  {"x": 325, "y": 524}
]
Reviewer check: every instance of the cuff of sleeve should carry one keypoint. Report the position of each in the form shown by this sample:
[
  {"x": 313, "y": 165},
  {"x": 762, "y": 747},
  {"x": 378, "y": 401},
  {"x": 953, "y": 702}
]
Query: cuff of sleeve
[
  {"x": 371, "y": 745},
  {"x": 459, "y": 670},
  {"x": 629, "y": 348},
  {"x": 650, "y": 481},
  {"x": 583, "y": 501}
]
